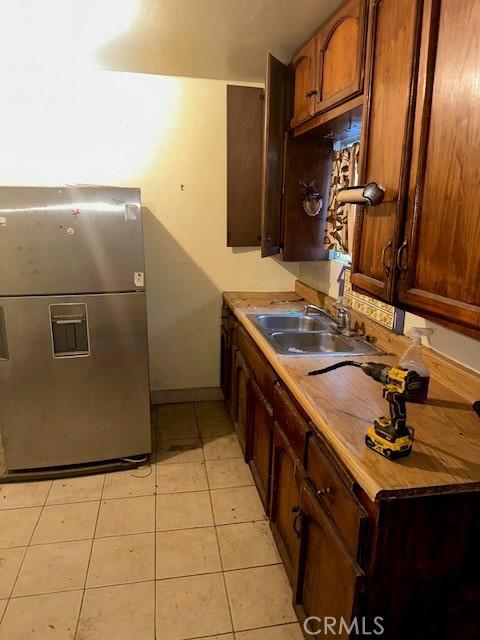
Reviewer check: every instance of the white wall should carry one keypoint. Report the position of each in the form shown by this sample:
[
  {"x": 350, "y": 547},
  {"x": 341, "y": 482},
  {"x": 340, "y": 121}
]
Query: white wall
[
  {"x": 324, "y": 276},
  {"x": 157, "y": 133}
]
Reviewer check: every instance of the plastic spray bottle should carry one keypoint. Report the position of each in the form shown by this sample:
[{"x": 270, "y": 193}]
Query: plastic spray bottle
[{"x": 412, "y": 360}]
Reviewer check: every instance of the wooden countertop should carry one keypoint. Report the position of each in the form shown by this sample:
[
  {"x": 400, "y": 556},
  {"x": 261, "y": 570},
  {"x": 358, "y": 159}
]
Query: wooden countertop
[{"x": 342, "y": 404}]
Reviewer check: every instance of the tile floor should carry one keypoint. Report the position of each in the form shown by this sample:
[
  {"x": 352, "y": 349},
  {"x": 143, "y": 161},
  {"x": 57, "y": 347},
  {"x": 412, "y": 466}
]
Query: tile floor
[{"x": 174, "y": 550}]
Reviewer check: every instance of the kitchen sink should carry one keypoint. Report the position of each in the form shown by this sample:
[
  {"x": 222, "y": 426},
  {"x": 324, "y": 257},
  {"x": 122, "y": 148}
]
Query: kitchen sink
[
  {"x": 299, "y": 334},
  {"x": 293, "y": 322},
  {"x": 321, "y": 344}
]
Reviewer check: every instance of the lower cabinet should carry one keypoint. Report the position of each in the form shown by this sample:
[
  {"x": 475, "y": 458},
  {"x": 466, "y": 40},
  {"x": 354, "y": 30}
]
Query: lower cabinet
[
  {"x": 330, "y": 582},
  {"x": 355, "y": 566},
  {"x": 240, "y": 385},
  {"x": 260, "y": 431},
  {"x": 285, "y": 515}
]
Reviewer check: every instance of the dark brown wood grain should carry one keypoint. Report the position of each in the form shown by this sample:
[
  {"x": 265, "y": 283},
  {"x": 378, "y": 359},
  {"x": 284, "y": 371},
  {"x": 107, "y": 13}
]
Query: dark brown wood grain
[
  {"x": 394, "y": 27},
  {"x": 340, "y": 56},
  {"x": 308, "y": 158},
  {"x": 278, "y": 89},
  {"x": 260, "y": 432},
  {"x": 245, "y": 121},
  {"x": 305, "y": 83},
  {"x": 440, "y": 266}
]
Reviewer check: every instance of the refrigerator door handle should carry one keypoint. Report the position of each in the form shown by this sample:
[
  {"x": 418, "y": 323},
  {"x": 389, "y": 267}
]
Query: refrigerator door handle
[{"x": 3, "y": 336}]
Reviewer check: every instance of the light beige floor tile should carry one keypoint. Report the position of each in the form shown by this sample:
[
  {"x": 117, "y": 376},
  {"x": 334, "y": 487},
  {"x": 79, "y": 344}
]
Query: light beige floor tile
[
  {"x": 176, "y": 428},
  {"x": 53, "y": 567},
  {"x": 122, "y": 559},
  {"x": 175, "y": 478},
  {"x": 187, "y": 552},
  {"x": 52, "y": 616},
  {"x": 134, "y": 482},
  {"x": 176, "y": 410},
  {"x": 3, "y": 605},
  {"x": 192, "y": 607},
  {"x": 17, "y": 525},
  {"x": 121, "y": 612},
  {"x": 10, "y": 561},
  {"x": 210, "y": 409},
  {"x": 223, "y": 474},
  {"x": 23, "y": 494},
  {"x": 184, "y": 510},
  {"x": 283, "y": 632},
  {"x": 222, "y": 447},
  {"x": 126, "y": 515},
  {"x": 217, "y": 426},
  {"x": 76, "y": 489},
  {"x": 179, "y": 451},
  {"x": 240, "y": 504},
  {"x": 259, "y": 597},
  {"x": 59, "y": 523},
  {"x": 247, "y": 544}
]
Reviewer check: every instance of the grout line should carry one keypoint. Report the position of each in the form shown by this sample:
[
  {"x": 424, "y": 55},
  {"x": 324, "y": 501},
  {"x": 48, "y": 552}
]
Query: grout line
[
  {"x": 89, "y": 558},
  {"x": 26, "y": 550},
  {"x": 235, "y": 633},
  {"x": 218, "y": 542}
]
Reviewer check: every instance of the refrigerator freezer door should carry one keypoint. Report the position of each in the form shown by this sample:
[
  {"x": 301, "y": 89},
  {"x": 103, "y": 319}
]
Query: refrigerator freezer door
[
  {"x": 92, "y": 406},
  {"x": 64, "y": 240}
]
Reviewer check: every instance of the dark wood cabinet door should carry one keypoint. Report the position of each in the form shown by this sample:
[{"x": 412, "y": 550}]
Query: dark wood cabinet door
[
  {"x": 226, "y": 365},
  {"x": 305, "y": 83},
  {"x": 278, "y": 87},
  {"x": 329, "y": 580},
  {"x": 392, "y": 52},
  {"x": 240, "y": 390},
  {"x": 259, "y": 447},
  {"x": 244, "y": 165},
  {"x": 440, "y": 258},
  {"x": 287, "y": 476},
  {"x": 340, "y": 54},
  {"x": 308, "y": 158}
]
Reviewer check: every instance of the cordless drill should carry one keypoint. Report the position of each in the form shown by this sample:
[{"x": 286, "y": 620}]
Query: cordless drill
[{"x": 389, "y": 436}]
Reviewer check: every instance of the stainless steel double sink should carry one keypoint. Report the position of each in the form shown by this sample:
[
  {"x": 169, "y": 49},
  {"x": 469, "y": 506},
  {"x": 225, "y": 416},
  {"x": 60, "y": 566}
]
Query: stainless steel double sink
[{"x": 299, "y": 334}]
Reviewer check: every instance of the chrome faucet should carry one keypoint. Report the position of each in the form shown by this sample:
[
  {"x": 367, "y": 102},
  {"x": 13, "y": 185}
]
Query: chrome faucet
[
  {"x": 343, "y": 316},
  {"x": 312, "y": 307}
]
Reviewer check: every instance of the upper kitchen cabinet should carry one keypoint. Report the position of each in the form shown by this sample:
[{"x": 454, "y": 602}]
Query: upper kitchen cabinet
[
  {"x": 305, "y": 83},
  {"x": 328, "y": 70},
  {"x": 439, "y": 258},
  {"x": 295, "y": 170},
  {"x": 394, "y": 27},
  {"x": 340, "y": 48},
  {"x": 244, "y": 165}
]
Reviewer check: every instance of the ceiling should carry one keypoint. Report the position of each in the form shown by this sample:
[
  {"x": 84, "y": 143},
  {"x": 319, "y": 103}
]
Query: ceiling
[{"x": 223, "y": 39}]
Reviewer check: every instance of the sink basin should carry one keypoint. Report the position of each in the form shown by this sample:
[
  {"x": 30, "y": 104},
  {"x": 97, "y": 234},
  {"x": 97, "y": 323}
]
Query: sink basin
[
  {"x": 296, "y": 334},
  {"x": 290, "y": 322},
  {"x": 321, "y": 344}
]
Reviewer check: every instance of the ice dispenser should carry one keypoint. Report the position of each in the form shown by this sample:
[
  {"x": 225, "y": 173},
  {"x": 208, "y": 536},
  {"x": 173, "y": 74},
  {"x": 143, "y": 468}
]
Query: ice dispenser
[{"x": 69, "y": 325}]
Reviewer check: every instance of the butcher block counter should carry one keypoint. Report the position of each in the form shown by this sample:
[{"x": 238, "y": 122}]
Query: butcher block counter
[{"x": 343, "y": 403}]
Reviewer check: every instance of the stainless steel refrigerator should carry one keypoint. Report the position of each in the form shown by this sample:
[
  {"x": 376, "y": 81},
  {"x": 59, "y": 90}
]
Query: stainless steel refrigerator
[{"x": 73, "y": 340}]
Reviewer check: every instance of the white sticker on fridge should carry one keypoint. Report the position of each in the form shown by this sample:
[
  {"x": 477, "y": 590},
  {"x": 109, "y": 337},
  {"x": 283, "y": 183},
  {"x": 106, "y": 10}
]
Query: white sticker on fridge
[
  {"x": 131, "y": 211},
  {"x": 3, "y": 221},
  {"x": 139, "y": 278}
]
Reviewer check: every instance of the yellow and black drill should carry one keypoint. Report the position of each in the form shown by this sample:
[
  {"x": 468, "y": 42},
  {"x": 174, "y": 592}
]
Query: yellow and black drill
[{"x": 389, "y": 436}]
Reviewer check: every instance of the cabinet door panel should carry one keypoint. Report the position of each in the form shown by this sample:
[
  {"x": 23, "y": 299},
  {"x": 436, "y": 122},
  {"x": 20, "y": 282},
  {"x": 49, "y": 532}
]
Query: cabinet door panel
[
  {"x": 241, "y": 381},
  {"x": 284, "y": 510},
  {"x": 330, "y": 581},
  {"x": 441, "y": 261},
  {"x": 277, "y": 104},
  {"x": 260, "y": 428},
  {"x": 394, "y": 27},
  {"x": 305, "y": 83},
  {"x": 244, "y": 165},
  {"x": 340, "y": 56}
]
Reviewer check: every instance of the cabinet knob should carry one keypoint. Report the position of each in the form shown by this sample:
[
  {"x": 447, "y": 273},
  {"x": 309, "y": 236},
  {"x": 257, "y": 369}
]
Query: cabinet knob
[
  {"x": 325, "y": 491},
  {"x": 312, "y": 92}
]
